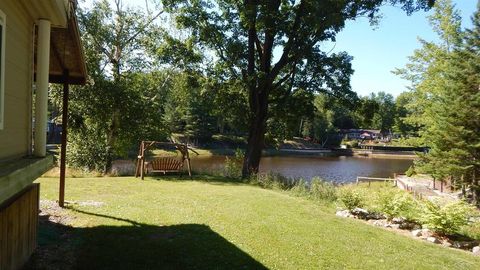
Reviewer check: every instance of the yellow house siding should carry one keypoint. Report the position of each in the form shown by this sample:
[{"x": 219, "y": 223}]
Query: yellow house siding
[{"x": 16, "y": 133}]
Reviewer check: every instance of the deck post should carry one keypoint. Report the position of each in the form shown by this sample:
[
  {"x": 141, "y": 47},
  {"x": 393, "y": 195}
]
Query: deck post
[
  {"x": 188, "y": 161},
  {"x": 142, "y": 161},
  {"x": 63, "y": 151},
  {"x": 137, "y": 166}
]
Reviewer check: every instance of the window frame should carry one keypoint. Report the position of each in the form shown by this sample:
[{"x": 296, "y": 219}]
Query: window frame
[{"x": 3, "y": 25}]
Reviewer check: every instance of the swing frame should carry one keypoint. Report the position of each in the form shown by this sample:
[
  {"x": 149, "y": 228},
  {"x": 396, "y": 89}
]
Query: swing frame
[{"x": 145, "y": 145}]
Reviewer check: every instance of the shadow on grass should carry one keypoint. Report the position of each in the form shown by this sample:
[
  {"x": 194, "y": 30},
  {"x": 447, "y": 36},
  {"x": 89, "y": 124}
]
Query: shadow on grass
[{"x": 136, "y": 246}]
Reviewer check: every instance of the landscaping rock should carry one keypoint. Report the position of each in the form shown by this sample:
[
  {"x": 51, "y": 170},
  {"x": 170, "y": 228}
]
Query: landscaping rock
[
  {"x": 409, "y": 225},
  {"x": 380, "y": 222},
  {"x": 343, "y": 213},
  {"x": 446, "y": 243},
  {"x": 417, "y": 233},
  {"x": 464, "y": 244},
  {"x": 393, "y": 226},
  {"x": 398, "y": 220},
  {"x": 371, "y": 221},
  {"x": 476, "y": 250},
  {"x": 360, "y": 213},
  {"x": 426, "y": 233},
  {"x": 376, "y": 216},
  {"x": 433, "y": 240}
]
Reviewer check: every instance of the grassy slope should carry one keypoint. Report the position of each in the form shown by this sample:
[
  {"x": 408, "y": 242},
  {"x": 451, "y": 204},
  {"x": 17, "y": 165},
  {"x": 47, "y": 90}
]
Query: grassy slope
[{"x": 277, "y": 230}]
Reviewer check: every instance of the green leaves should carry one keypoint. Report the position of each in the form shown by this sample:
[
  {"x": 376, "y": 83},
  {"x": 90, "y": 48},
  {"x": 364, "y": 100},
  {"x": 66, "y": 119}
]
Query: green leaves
[
  {"x": 448, "y": 218},
  {"x": 445, "y": 100}
]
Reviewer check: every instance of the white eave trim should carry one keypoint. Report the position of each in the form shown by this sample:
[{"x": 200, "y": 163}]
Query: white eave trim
[{"x": 55, "y": 11}]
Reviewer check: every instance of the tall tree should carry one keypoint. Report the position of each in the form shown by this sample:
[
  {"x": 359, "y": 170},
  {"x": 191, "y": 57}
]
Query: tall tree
[
  {"x": 402, "y": 126},
  {"x": 109, "y": 108},
  {"x": 384, "y": 117},
  {"x": 245, "y": 34},
  {"x": 446, "y": 85},
  {"x": 365, "y": 111}
]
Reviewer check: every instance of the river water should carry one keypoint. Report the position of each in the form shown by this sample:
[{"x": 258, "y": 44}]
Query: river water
[{"x": 337, "y": 169}]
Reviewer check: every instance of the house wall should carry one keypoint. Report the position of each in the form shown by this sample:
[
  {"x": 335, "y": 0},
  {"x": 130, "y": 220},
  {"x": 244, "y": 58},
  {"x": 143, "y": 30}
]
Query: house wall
[
  {"x": 18, "y": 228},
  {"x": 15, "y": 137}
]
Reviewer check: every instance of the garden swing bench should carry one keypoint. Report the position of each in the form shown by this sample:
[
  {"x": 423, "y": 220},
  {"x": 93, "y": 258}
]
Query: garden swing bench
[{"x": 162, "y": 164}]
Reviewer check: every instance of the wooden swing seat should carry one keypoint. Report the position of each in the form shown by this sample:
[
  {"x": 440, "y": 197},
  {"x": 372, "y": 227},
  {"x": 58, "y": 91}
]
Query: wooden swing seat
[{"x": 164, "y": 165}]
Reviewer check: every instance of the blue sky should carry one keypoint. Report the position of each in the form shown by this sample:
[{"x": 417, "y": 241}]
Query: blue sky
[{"x": 378, "y": 51}]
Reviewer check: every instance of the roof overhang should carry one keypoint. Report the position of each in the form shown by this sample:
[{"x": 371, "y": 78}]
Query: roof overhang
[
  {"x": 66, "y": 50},
  {"x": 66, "y": 53},
  {"x": 56, "y": 11}
]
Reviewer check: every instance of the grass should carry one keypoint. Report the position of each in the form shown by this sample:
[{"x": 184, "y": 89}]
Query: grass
[{"x": 210, "y": 223}]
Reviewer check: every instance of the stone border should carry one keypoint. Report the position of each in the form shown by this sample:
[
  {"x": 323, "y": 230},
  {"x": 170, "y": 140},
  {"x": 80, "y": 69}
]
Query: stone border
[{"x": 415, "y": 229}]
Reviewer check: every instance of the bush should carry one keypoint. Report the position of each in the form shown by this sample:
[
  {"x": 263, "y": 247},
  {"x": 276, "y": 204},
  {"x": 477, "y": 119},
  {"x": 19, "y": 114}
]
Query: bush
[
  {"x": 350, "y": 143},
  {"x": 354, "y": 144},
  {"x": 322, "y": 190},
  {"x": 447, "y": 219},
  {"x": 351, "y": 198},
  {"x": 472, "y": 230},
  {"x": 300, "y": 188},
  {"x": 87, "y": 155},
  {"x": 398, "y": 204},
  {"x": 410, "y": 171},
  {"x": 273, "y": 180},
  {"x": 233, "y": 166}
]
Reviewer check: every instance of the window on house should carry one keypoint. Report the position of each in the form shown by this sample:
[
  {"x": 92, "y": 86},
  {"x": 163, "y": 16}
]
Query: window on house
[{"x": 2, "y": 67}]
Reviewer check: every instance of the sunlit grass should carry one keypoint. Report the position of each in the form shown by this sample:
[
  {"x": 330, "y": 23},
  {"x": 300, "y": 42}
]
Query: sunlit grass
[{"x": 273, "y": 228}]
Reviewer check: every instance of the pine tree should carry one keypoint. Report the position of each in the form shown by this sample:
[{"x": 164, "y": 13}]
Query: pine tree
[
  {"x": 465, "y": 78},
  {"x": 446, "y": 86}
]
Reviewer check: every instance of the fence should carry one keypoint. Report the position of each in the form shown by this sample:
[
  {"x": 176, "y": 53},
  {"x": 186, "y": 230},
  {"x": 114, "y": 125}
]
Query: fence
[{"x": 375, "y": 179}]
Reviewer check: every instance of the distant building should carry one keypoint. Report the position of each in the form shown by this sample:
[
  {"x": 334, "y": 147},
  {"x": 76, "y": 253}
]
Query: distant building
[{"x": 361, "y": 134}]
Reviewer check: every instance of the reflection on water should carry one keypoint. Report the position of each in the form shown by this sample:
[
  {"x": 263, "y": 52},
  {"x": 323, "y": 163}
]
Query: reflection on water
[{"x": 337, "y": 169}]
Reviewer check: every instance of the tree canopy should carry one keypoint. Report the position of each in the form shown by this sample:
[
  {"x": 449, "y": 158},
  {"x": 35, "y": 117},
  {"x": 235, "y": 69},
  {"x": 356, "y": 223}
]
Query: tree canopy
[{"x": 273, "y": 47}]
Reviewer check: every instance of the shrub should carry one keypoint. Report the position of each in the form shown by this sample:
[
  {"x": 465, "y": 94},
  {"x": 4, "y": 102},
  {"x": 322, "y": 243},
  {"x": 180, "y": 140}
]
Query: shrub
[
  {"x": 410, "y": 171},
  {"x": 322, "y": 190},
  {"x": 351, "y": 198},
  {"x": 446, "y": 219},
  {"x": 350, "y": 143},
  {"x": 354, "y": 144},
  {"x": 300, "y": 188},
  {"x": 472, "y": 230},
  {"x": 273, "y": 180},
  {"x": 233, "y": 165},
  {"x": 398, "y": 204}
]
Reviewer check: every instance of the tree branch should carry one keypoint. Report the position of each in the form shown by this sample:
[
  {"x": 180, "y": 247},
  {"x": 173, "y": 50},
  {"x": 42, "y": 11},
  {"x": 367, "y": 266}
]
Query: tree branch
[
  {"x": 284, "y": 59},
  {"x": 143, "y": 27}
]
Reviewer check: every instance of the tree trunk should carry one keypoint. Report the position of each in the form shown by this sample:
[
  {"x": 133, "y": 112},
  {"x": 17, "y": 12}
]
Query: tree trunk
[
  {"x": 475, "y": 189},
  {"x": 256, "y": 136},
  {"x": 111, "y": 140}
]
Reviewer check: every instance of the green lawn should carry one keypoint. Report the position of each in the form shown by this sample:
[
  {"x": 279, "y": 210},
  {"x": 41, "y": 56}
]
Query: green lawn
[{"x": 209, "y": 224}]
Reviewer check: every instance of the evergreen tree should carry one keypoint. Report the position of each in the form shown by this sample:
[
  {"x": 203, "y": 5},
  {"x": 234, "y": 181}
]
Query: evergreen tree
[{"x": 446, "y": 89}]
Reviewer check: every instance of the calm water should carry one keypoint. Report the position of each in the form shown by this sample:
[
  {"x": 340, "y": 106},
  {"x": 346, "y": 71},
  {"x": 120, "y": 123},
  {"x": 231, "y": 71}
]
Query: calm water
[{"x": 337, "y": 169}]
